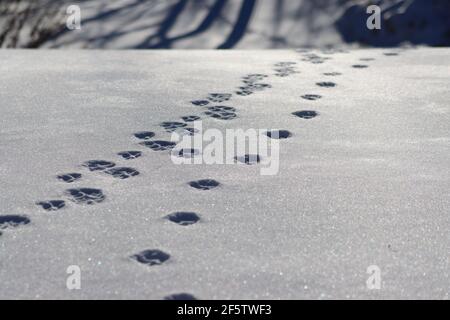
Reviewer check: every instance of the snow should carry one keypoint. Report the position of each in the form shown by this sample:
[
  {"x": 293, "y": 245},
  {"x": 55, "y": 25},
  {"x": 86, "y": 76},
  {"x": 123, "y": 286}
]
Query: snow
[{"x": 366, "y": 182}]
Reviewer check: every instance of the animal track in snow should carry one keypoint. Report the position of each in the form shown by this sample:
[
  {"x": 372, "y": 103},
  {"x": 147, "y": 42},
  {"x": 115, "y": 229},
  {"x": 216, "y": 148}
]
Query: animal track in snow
[
  {"x": 360, "y": 66},
  {"x": 180, "y": 296},
  {"x": 285, "y": 64},
  {"x": 221, "y": 112},
  {"x": 243, "y": 91},
  {"x": 96, "y": 165},
  {"x": 248, "y": 159},
  {"x": 252, "y": 84},
  {"x": 257, "y": 86},
  {"x": 171, "y": 126},
  {"x": 144, "y": 135},
  {"x": 333, "y": 51},
  {"x": 69, "y": 177},
  {"x": 284, "y": 69},
  {"x": 326, "y": 84},
  {"x": 190, "y": 118},
  {"x": 183, "y": 218},
  {"x": 13, "y": 221},
  {"x": 200, "y": 103},
  {"x": 366, "y": 59},
  {"x": 311, "y": 97},
  {"x": 219, "y": 97},
  {"x": 314, "y": 58},
  {"x": 86, "y": 195},
  {"x": 332, "y": 74},
  {"x": 159, "y": 145},
  {"x": 278, "y": 134},
  {"x": 122, "y": 172},
  {"x": 52, "y": 205},
  {"x": 204, "y": 184},
  {"x": 151, "y": 257},
  {"x": 390, "y": 54},
  {"x": 251, "y": 88},
  {"x": 254, "y": 77},
  {"x": 130, "y": 155},
  {"x": 306, "y": 114}
]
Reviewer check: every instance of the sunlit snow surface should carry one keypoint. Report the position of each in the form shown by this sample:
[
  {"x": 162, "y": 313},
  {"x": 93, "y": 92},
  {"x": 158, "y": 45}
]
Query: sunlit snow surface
[{"x": 365, "y": 182}]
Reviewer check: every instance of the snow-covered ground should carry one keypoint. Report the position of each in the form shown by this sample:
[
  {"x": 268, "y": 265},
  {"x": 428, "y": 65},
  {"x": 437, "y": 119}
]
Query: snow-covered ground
[{"x": 366, "y": 182}]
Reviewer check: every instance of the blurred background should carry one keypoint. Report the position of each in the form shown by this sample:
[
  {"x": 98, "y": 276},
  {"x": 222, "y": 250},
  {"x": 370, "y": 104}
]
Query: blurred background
[{"x": 224, "y": 24}]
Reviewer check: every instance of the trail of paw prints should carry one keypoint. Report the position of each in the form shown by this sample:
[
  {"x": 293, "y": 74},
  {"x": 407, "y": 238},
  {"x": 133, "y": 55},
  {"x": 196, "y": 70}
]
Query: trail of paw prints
[
  {"x": 314, "y": 58},
  {"x": 216, "y": 112},
  {"x": 91, "y": 196},
  {"x": 221, "y": 112},
  {"x": 55, "y": 205},
  {"x": 110, "y": 168},
  {"x": 252, "y": 83},
  {"x": 285, "y": 68}
]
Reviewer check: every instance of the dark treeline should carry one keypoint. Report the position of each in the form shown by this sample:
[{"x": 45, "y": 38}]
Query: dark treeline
[{"x": 34, "y": 23}]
